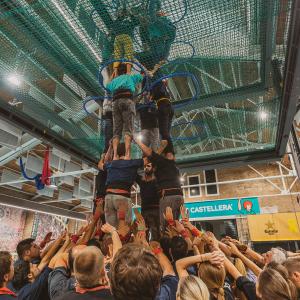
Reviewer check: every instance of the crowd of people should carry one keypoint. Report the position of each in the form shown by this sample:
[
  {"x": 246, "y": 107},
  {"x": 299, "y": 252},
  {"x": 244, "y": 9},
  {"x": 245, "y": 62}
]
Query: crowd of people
[
  {"x": 121, "y": 262},
  {"x": 157, "y": 254}
]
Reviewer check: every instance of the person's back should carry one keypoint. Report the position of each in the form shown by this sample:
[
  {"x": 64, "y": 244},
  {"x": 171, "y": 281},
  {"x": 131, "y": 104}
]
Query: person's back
[
  {"x": 122, "y": 173},
  {"x": 120, "y": 176},
  {"x": 126, "y": 82}
]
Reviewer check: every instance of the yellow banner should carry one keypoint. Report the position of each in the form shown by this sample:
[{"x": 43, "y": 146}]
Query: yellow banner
[{"x": 274, "y": 227}]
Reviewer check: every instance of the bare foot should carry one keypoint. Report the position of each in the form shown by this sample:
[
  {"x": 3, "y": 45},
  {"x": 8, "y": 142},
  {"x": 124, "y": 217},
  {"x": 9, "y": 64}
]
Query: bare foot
[
  {"x": 116, "y": 157},
  {"x": 127, "y": 157}
]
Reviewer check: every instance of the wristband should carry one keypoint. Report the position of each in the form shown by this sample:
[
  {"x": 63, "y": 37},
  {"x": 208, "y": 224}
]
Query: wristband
[
  {"x": 171, "y": 222},
  {"x": 195, "y": 232},
  {"x": 157, "y": 251},
  {"x": 121, "y": 215},
  {"x": 74, "y": 238},
  {"x": 184, "y": 233},
  {"x": 141, "y": 228}
]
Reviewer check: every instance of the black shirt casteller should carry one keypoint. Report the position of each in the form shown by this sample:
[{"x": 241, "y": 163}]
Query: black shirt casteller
[
  {"x": 166, "y": 173},
  {"x": 149, "y": 193}
]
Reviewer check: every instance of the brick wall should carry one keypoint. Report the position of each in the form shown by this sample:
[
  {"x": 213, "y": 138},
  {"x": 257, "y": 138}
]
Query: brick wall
[{"x": 261, "y": 188}]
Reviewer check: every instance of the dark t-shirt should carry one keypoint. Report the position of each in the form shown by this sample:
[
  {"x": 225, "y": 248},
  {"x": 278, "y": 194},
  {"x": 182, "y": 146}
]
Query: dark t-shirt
[
  {"x": 104, "y": 294},
  {"x": 149, "y": 116},
  {"x": 36, "y": 290},
  {"x": 149, "y": 192},
  {"x": 247, "y": 287},
  {"x": 121, "y": 174},
  {"x": 60, "y": 282},
  {"x": 166, "y": 173},
  {"x": 168, "y": 288}
]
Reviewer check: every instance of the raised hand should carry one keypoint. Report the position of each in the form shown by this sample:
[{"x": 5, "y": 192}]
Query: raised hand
[
  {"x": 185, "y": 214},
  {"x": 169, "y": 216},
  {"x": 107, "y": 228},
  {"x": 216, "y": 258}
]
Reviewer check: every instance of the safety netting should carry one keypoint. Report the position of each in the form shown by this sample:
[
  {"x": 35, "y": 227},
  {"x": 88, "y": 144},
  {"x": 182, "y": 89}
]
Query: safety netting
[{"x": 219, "y": 59}]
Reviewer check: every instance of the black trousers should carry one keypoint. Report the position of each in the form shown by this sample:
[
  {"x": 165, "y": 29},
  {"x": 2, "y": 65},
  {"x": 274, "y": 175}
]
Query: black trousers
[
  {"x": 151, "y": 216},
  {"x": 165, "y": 116}
]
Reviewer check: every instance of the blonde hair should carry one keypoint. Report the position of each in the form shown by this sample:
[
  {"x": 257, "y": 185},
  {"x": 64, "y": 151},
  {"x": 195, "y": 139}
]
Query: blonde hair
[
  {"x": 273, "y": 283},
  {"x": 192, "y": 288},
  {"x": 214, "y": 279}
]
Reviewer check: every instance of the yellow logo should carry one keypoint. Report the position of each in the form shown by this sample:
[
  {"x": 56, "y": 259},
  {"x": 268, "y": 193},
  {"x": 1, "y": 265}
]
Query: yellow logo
[{"x": 271, "y": 230}]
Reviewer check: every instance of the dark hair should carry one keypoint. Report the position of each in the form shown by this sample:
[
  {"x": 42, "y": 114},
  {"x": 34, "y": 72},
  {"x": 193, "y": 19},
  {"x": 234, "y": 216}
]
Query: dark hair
[
  {"x": 22, "y": 269},
  {"x": 23, "y": 246},
  {"x": 5, "y": 262},
  {"x": 179, "y": 247},
  {"x": 135, "y": 274},
  {"x": 122, "y": 69},
  {"x": 159, "y": 91},
  {"x": 94, "y": 242},
  {"x": 121, "y": 149}
]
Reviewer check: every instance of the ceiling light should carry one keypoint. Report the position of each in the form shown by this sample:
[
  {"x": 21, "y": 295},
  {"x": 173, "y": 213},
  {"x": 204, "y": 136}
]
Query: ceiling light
[
  {"x": 14, "y": 80},
  {"x": 139, "y": 137},
  {"x": 263, "y": 115}
]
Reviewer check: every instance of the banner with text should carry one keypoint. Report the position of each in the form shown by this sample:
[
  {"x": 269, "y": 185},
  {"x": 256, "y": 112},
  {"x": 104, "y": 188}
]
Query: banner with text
[{"x": 223, "y": 208}]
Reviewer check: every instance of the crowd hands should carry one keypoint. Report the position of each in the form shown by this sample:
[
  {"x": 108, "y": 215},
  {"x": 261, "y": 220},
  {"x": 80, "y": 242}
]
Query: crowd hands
[{"x": 104, "y": 262}]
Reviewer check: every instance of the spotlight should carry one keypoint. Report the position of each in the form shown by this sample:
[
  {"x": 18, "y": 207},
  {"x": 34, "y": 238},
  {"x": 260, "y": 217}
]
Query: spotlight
[
  {"x": 263, "y": 115},
  {"x": 139, "y": 137},
  {"x": 14, "y": 80},
  {"x": 181, "y": 179}
]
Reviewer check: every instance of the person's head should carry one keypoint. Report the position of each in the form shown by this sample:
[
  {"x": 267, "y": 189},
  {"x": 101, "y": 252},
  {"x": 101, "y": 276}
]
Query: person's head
[
  {"x": 72, "y": 255},
  {"x": 192, "y": 288},
  {"x": 159, "y": 91},
  {"x": 135, "y": 274},
  {"x": 274, "y": 283},
  {"x": 214, "y": 278},
  {"x": 274, "y": 255},
  {"x": 148, "y": 168},
  {"x": 121, "y": 150},
  {"x": 24, "y": 272},
  {"x": 293, "y": 267},
  {"x": 89, "y": 267},
  {"x": 122, "y": 69},
  {"x": 6, "y": 268},
  {"x": 178, "y": 248},
  {"x": 27, "y": 249}
]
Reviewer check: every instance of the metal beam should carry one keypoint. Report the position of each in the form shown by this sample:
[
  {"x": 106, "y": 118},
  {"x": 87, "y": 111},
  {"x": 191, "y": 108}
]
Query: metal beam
[
  {"x": 11, "y": 155},
  {"x": 291, "y": 90},
  {"x": 17, "y": 202},
  {"x": 237, "y": 94}
]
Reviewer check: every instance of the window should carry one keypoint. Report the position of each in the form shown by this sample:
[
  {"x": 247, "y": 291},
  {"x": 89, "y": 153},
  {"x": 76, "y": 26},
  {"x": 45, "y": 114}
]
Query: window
[
  {"x": 194, "y": 191},
  {"x": 210, "y": 176}
]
